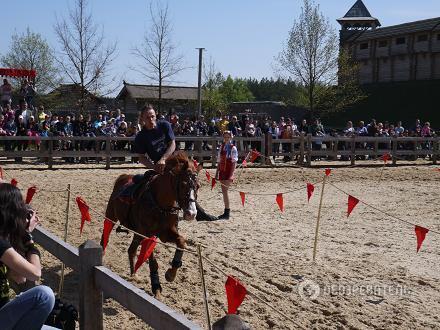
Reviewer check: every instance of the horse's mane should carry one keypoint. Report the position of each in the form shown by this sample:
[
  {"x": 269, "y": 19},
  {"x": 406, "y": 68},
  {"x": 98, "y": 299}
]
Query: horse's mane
[{"x": 178, "y": 161}]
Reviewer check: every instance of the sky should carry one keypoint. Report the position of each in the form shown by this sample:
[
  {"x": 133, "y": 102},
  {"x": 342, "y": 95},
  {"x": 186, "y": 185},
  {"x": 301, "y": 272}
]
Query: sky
[{"x": 242, "y": 37}]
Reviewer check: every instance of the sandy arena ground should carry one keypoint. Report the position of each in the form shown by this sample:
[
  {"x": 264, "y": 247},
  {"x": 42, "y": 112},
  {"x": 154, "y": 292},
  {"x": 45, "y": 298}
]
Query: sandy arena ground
[{"x": 367, "y": 269}]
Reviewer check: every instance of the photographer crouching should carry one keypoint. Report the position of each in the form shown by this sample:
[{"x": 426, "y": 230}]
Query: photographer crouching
[{"x": 20, "y": 261}]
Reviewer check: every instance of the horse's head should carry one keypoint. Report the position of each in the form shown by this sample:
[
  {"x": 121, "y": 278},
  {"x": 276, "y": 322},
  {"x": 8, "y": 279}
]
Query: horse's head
[{"x": 186, "y": 183}]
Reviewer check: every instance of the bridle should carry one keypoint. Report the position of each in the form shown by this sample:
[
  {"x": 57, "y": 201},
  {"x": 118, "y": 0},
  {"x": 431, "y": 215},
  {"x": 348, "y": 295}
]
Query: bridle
[{"x": 178, "y": 179}]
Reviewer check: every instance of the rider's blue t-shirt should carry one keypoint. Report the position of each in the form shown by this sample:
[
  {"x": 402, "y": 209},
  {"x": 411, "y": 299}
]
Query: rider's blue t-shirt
[{"x": 154, "y": 142}]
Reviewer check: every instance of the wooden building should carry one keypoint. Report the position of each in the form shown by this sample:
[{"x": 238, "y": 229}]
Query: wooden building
[
  {"x": 67, "y": 98},
  {"x": 404, "y": 52},
  {"x": 182, "y": 100}
]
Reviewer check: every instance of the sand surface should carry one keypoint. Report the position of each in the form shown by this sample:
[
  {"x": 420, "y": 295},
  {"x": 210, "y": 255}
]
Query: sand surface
[{"x": 367, "y": 269}]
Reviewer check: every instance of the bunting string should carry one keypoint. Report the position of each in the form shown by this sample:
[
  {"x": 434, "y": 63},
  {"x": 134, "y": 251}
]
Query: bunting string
[{"x": 379, "y": 210}]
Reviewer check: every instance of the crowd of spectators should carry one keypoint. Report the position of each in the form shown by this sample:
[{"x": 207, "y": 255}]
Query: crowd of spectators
[{"x": 25, "y": 119}]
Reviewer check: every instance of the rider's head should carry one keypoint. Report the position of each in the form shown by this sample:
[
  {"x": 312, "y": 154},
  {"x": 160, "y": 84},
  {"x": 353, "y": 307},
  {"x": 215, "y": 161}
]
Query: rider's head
[{"x": 148, "y": 117}]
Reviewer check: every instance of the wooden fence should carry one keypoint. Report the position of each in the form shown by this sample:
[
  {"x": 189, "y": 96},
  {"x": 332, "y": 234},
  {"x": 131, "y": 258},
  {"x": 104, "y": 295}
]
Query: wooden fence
[
  {"x": 96, "y": 281},
  {"x": 304, "y": 149}
]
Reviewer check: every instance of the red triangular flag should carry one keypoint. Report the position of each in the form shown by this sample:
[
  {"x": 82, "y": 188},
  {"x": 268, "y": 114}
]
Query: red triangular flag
[
  {"x": 280, "y": 202},
  {"x": 84, "y": 209},
  {"x": 352, "y": 202},
  {"x": 147, "y": 248},
  {"x": 213, "y": 183},
  {"x": 386, "y": 158},
  {"x": 254, "y": 155},
  {"x": 208, "y": 176},
  {"x": 310, "y": 190},
  {"x": 30, "y": 194},
  {"x": 196, "y": 164},
  {"x": 14, "y": 182},
  {"x": 328, "y": 171},
  {"x": 235, "y": 294},
  {"x": 243, "y": 197},
  {"x": 420, "y": 234},
  {"x": 108, "y": 226},
  {"x": 244, "y": 163}
]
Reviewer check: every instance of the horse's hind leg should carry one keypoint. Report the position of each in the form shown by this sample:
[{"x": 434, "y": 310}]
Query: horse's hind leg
[
  {"x": 132, "y": 249},
  {"x": 170, "y": 274},
  {"x": 156, "y": 288}
]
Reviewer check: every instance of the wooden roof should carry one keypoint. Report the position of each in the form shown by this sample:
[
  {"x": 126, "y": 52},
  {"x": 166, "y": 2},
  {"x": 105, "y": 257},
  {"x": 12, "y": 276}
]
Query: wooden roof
[
  {"x": 358, "y": 13},
  {"x": 432, "y": 24},
  {"x": 151, "y": 92}
]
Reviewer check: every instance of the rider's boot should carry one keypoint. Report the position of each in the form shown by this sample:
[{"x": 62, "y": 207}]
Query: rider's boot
[
  {"x": 225, "y": 215},
  {"x": 202, "y": 215}
]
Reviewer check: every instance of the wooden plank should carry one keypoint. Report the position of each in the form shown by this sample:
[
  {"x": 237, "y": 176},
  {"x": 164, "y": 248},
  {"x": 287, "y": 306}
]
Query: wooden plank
[
  {"x": 152, "y": 311},
  {"x": 57, "y": 247},
  {"x": 90, "y": 298}
]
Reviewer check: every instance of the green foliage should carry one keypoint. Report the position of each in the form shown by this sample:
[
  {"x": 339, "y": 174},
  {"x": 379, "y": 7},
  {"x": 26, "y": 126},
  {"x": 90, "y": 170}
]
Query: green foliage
[
  {"x": 235, "y": 90},
  {"x": 283, "y": 90},
  {"x": 219, "y": 92},
  {"x": 31, "y": 51}
]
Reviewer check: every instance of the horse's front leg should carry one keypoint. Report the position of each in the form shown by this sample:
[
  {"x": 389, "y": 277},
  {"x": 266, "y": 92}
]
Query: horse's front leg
[
  {"x": 156, "y": 288},
  {"x": 132, "y": 249},
  {"x": 176, "y": 263}
]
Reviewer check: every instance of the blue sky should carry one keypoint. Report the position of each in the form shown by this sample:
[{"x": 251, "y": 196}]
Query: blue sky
[{"x": 241, "y": 36}]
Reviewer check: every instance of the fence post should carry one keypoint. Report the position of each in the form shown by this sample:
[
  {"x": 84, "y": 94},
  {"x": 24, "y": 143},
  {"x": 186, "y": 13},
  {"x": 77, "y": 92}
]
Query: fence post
[
  {"x": 269, "y": 150},
  {"x": 394, "y": 150},
  {"x": 301, "y": 149},
  {"x": 263, "y": 149},
  {"x": 353, "y": 150},
  {"x": 435, "y": 151},
  {"x": 90, "y": 296},
  {"x": 309, "y": 150},
  {"x": 213, "y": 151},
  {"x": 107, "y": 152},
  {"x": 50, "y": 151}
]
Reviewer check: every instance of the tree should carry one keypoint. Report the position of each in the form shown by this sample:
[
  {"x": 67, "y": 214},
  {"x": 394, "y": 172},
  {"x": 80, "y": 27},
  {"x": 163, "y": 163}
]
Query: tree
[
  {"x": 212, "y": 98},
  {"x": 31, "y": 51},
  {"x": 157, "y": 51},
  {"x": 311, "y": 52},
  {"x": 85, "y": 58},
  {"x": 235, "y": 90},
  {"x": 346, "y": 93}
]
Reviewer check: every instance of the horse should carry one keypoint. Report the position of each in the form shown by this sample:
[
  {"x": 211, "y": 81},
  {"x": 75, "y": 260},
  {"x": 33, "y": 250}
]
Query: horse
[{"x": 154, "y": 211}]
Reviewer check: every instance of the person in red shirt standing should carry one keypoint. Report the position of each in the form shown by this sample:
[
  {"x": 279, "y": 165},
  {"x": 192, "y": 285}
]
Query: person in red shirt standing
[{"x": 227, "y": 159}]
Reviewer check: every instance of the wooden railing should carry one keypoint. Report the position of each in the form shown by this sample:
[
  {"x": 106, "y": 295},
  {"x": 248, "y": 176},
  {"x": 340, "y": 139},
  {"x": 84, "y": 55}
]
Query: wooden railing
[
  {"x": 95, "y": 281},
  {"x": 307, "y": 148},
  {"x": 304, "y": 148}
]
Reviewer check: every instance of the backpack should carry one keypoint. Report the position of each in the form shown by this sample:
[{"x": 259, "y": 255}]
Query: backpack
[{"x": 63, "y": 316}]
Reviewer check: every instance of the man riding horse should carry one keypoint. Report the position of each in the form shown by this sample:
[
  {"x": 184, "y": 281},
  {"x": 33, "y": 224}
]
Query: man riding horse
[{"x": 154, "y": 144}]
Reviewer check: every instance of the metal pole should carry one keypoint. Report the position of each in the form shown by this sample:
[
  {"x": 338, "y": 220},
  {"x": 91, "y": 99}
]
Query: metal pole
[
  {"x": 199, "y": 86},
  {"x": 66, "y": 225},
  {"x": 202, "y": 276}
]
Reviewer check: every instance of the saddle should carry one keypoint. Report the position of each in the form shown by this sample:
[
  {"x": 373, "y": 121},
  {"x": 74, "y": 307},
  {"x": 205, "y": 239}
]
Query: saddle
[{"x": 132, "y": 191}]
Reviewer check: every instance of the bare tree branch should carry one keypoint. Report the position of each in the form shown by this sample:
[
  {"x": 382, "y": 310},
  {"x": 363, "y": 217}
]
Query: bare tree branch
[
  {"x": 85, "y": 58},
  {"x": 157, "y": 51}
]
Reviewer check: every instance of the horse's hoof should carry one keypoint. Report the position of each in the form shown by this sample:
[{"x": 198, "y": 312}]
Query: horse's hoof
[
  {"x": 157, "y": 295},
  {"x": 170, "y": 274}
]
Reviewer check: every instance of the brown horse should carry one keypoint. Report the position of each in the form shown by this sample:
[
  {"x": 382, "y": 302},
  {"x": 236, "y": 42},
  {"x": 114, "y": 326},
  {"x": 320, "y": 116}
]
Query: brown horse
[{"x": 154, "y": 211}]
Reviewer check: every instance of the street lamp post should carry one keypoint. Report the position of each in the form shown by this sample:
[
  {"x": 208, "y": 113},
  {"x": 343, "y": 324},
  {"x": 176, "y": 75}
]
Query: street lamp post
[{"x": 199, "y": 87}]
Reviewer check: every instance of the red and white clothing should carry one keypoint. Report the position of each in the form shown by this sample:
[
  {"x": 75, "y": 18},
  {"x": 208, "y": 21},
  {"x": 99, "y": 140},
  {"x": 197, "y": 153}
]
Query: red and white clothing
[{"x": 227, "y": 158}]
